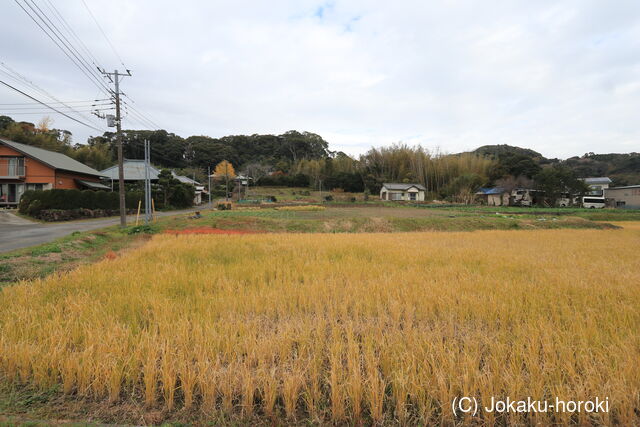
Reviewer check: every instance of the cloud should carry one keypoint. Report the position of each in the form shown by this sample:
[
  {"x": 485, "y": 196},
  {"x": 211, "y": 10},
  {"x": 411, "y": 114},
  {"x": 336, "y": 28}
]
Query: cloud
[{"x": 561, "y": 78}]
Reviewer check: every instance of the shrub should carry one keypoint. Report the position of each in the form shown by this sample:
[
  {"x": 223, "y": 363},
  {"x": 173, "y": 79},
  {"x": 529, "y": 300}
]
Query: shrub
[
  {"x": 310, "y": 208},
  {"x": 328, "y": 198},
  {"x": 142, "y": 229},
  {"x": 32, "y": 202}
]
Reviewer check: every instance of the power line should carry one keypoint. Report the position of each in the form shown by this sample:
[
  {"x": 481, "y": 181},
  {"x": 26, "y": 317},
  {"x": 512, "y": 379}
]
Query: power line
[
  {"x": 50, "y": 107},
  {"x": 105, "y": 35},
  {"x": 35, "y": 106},
  {"x": 139, "y": 113},
  {"x": 68, "y": 44},
  {"x": 77, "y": 62},
  {"x": 65, "y": 24},
  {"x": 79, "y": 103},
  {"x": 14, "y": 75}
]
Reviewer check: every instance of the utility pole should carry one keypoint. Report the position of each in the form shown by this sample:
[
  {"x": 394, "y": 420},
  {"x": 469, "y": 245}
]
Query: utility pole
[
  {"x": 209, "y": 175},
  {"x": 116, "y": 81},
  {"x": 147, "y": 182}
]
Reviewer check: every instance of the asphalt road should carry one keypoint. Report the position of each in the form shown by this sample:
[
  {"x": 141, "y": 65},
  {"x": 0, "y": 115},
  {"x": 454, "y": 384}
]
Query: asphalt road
[{"x": 17, "y": 232}]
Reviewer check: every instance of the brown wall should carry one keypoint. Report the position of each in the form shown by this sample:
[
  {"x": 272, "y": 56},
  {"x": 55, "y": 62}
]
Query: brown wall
[
  {"x": 66, "y": 180},
  {"x": 39, "y": 173}
]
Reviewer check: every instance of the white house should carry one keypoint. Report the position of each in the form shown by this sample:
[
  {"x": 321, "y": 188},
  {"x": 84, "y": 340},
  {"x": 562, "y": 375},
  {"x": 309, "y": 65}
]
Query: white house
[
  {"x": 400, "y": 192},
  {"x": 597, "y": 185}
]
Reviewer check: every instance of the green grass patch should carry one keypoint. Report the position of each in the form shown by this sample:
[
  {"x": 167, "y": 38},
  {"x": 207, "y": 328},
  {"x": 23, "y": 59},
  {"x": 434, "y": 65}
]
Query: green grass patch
[{"x": 46, "y": 249}]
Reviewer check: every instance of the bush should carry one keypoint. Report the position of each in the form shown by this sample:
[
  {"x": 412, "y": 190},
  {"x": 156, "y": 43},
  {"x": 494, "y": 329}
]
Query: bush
[
  {"x": 224, "y": 206},
  {"x": 33, "y": 202},
  {"x": 328, "y": 198},
  {"x": 142, "y": 229}
]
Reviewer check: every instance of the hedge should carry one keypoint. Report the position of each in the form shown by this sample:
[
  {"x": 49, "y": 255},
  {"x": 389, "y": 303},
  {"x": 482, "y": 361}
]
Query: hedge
[{"x": 33, "y": 202}]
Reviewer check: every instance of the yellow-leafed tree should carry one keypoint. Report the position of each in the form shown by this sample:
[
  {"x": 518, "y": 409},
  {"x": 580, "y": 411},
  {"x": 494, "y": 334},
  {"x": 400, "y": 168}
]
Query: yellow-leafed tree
[{"x": 224, "y": 170}]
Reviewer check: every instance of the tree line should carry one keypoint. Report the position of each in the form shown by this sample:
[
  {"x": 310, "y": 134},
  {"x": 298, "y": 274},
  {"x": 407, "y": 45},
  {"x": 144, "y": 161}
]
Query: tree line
[{"x": 303, "y": 159}]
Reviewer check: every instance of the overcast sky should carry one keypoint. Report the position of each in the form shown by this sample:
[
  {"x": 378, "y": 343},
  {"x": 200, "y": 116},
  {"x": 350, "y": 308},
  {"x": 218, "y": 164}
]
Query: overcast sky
[{"x": 562, "y": 78}]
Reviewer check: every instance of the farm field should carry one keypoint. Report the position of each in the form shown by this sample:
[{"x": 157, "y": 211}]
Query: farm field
[
  {"x": 80, "y": 248},
  {"x": 359, "y": 328}
]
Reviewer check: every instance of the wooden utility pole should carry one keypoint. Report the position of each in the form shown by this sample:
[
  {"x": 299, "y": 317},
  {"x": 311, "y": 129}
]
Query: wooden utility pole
[{"x": 116, "y": 81}]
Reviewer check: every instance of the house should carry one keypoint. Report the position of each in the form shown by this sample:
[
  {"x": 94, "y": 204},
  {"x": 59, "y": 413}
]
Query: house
[
  {"x": 496, "y": 196},
  {"x": 597, "y": 185},
  {"x": 627, "y": 197},
  {"x": 197, "y": 199},
  {"x": 24, "y": 167},
  {"x": 400, "y": 192},
  {"x": 134, "y": 172}
]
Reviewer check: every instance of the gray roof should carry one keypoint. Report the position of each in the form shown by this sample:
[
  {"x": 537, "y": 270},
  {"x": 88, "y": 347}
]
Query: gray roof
[
  {"x": 93, "y": 185},
  {"x": 185, "y": 179},
  {"x": 624, "y": 187},
  {"x": 133, "y": 171},
  {"x": 401, "y": 186},
  {"x": 597, "y": 180},
  {"x": 51, "y": 158}
]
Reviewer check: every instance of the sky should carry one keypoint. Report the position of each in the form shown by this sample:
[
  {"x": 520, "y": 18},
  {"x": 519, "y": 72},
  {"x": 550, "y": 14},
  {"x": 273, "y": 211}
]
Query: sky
[{"x": 562, "y": 78}]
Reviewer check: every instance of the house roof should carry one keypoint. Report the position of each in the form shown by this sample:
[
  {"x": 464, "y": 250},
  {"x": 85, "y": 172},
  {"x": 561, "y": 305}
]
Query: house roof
[
  {"x": 93, "y": 185},
  {"x": 401, "y": 186},
  {"x": 494, "y": 190},
  {"x": 185, "y": 179},
  {"x": 597, "y": 180},
  {"x": 51, "y": 158},
  {"x": 623, "y": 188},
  {"x": 133, "y": 171}
]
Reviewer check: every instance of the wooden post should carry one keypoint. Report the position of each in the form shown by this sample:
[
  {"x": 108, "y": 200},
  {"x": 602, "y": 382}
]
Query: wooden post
[
  {"x": 138, "y": 214},
  {"x": 153, "y": 210}
]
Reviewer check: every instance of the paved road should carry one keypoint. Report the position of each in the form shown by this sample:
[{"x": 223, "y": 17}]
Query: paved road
[{"x": 17, "y": 232}]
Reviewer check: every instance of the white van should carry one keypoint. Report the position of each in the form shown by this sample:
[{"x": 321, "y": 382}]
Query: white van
[{"x": 593, "y": 202}]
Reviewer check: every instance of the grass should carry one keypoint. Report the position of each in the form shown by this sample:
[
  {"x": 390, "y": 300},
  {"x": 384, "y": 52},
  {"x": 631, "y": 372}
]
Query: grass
[
  {"x": 64, "y": 254},
  {"x": 357, "y": 219},
  {"x": 377, "y": 328}
]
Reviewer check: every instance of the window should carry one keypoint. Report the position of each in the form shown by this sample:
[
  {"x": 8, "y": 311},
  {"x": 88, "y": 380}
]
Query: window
[
  {"x": 396, "y": 196},
  {"x": 413, "y": 196},
  {"x": 35, "y": 186}
]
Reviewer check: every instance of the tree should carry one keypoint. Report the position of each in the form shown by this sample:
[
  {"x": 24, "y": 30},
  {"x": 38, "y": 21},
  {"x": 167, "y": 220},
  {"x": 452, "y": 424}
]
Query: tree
[
  {"x": 224, "y": 170},
  {"x": 174, "y": 193},
  {"x": 559, "y": 179},
  {"x": 462, "y": 189},
  {"x": 256, "y": 170}
]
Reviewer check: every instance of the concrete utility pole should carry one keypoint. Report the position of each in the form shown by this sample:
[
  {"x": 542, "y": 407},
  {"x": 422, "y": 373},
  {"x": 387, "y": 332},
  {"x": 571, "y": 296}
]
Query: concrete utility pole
[
  {"x": 116, "y": 81},
  {"x": 147, "y": 182},
  {"x": 209, "y": 175}
]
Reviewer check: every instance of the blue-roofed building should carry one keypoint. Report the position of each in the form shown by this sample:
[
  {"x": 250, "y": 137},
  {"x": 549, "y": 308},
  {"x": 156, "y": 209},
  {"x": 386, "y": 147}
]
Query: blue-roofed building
[{"x": 494, "y": 196}]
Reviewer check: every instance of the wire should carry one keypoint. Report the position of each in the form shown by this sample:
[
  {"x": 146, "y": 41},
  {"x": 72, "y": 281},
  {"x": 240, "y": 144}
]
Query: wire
[
  {"x": 35, "y": 106},
  {"x": 104, "y": 34},
  {"x": 80, "y": 65},
  {"x": 26, "y": 82},
  {"x": 65, "y": 24},
  {"x": 91, "y": 101},
  {"x": 50, "y": 107},
  {"x": 140, "y": 114},
  {"x": 68, "y": 44}
]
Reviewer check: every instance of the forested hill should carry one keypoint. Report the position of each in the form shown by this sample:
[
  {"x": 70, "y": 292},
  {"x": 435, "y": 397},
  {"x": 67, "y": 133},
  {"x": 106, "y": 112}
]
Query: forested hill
[{"x": 623, "y": 169}]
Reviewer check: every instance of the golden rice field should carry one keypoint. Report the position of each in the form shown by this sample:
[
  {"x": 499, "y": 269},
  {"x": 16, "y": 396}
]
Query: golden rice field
[{"x": 342, "y": 328}]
